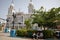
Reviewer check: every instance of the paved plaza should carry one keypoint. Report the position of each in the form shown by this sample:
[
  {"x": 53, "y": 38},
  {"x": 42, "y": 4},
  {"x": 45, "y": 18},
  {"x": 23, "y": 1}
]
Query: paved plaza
[{"x": 6, "y": 36}]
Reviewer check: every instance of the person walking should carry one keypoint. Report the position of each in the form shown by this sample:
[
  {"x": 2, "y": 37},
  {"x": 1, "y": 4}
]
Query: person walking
[
  {"x": 34, "y": 36},
  {"x": 38, "y": 35}
]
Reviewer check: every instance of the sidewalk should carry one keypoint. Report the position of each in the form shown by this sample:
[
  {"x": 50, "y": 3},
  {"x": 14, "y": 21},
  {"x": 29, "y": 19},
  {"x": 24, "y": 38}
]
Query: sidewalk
[{"x": 6, "y": 36}]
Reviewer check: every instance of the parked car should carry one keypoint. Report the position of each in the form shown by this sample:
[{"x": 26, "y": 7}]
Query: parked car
[{"x": 57, "y": 34}]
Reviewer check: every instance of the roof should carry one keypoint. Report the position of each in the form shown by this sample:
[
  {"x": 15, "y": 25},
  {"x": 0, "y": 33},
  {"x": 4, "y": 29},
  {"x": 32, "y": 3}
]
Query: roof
[{"x": 2, "y": 19}]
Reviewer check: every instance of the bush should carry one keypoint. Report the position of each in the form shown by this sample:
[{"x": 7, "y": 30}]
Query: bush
[
  {"x": 25, "y": 33},
  {"x": 30, "y": 33},
  {"x": 21, "y": 33},
  {"x": 48, "y": 33}
]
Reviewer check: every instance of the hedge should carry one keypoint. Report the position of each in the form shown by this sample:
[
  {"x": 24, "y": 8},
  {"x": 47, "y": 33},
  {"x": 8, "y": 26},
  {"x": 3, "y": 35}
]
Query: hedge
[
  {"x": 25, "y": 33},
  {"x": 21, "y": 32},
  {"x": 29, "y": 33},
  {"x": 48, "y": 33}
]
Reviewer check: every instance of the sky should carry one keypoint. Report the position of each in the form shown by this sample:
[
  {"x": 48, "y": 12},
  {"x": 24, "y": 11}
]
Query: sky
[{"x": 23, "y": 5}]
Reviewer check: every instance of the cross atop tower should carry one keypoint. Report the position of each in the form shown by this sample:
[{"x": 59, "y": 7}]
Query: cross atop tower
[{"x": 30, "y": 0}]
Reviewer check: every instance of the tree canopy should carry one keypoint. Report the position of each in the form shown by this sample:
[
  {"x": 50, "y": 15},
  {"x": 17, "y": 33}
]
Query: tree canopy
[{"x": 46, "y": 18}]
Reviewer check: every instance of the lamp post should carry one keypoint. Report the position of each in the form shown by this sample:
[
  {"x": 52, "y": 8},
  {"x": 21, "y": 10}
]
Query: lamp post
[
  {"x": 13, "y": 31},
  {"x": 14, "y": 16},
  {"x": 7, "y": 22}
]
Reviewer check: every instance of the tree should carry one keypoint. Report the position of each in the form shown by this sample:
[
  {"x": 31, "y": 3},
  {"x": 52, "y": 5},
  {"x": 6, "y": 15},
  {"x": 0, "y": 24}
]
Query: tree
[
  {"x": 28, "y": 23},
  {"x": 39, "y": 17},
  {"x": 46, "y": 19},
  {"x": 53, "y": 15}
]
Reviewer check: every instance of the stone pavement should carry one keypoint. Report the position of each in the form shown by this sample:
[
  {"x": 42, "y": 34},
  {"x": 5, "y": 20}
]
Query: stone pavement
[{"x": 6, "y": 36}]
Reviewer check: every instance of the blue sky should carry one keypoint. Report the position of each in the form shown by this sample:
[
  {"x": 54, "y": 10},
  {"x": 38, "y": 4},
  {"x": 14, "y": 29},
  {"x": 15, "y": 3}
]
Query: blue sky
[{"x": 23, "y": 5}]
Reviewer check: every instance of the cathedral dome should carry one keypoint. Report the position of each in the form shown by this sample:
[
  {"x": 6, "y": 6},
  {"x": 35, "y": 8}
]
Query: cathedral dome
[{"x": 12, "y": 5}]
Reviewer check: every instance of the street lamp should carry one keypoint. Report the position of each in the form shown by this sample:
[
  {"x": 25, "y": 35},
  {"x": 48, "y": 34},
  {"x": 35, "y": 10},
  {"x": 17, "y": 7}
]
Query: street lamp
[
  {"x": 13, "y": 31},
  {"x": 14, "y": 16},
  {"x": 7, "y": 22}
]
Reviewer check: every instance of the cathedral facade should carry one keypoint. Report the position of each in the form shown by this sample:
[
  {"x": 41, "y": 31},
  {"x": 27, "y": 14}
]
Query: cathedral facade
[{"x": 20, "y": 17}]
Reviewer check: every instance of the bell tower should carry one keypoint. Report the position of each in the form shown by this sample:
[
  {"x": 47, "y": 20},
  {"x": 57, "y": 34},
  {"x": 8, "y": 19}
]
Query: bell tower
[
  {"x": 30, "y": 7},
  {"x": 11, "y": 8}
]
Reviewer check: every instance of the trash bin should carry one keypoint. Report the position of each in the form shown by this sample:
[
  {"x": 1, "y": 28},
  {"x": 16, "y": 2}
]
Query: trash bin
[
  {"x": 6, "y": 30},
  {"x": 12, "y": 33}
]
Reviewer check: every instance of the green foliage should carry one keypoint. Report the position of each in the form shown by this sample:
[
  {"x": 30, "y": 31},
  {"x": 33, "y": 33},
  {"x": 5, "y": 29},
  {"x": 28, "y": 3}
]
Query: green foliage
[
  {"x": 28, "y": 23},
  {"x": 48, "y": 33},
  {"x": 30, "y": 32},
  {"x": 46, "y": 18},
  {"x": 25, "y": 33},
  {"x": 21, "y": 33}
]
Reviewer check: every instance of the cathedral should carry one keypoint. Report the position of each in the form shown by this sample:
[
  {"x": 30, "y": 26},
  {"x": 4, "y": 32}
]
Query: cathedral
[{"x": 20, "y": 17}]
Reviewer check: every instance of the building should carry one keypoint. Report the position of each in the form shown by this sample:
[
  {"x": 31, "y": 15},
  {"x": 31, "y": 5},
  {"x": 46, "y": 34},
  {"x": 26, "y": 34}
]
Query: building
[
  {"x": 2, "y": 24},
  {"x": 2, "y": 20},
  {"x": 20, "y": 16}
]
